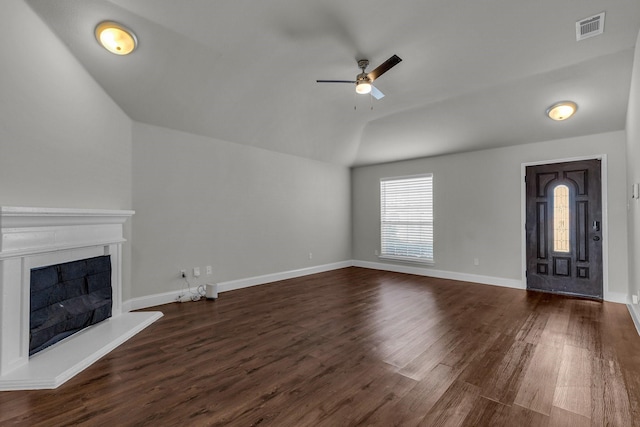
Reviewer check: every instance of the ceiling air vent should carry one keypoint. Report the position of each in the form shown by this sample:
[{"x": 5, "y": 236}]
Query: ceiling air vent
[{"x": 589, "y": 27}]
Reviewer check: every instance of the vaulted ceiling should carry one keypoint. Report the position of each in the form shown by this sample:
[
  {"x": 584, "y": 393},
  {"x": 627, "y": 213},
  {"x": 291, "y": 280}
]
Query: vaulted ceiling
[{"x": 474, "y": 75}]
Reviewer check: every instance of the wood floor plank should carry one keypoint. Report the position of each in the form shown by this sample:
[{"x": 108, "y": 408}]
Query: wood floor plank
[
  {"x": 433, "y": 354},
  {"x": 609, "y": 397},
  {"x": 456, "y": 349},
  {"x": 489, "y": 413},
  {"x": 482, "y": 369},
  {"x": 519, "y": 416},
  {"x": 360, "y": 347},
  {"x": 573, "y": 387},
  {"x": 454, "y": 406},
  {"x": 583, "y": 330},
  {"x": 563, "y": 418},
  {"x": 417, "y": 402},
  {"x": 535, "y": 324},
  {"x": 508, "y": 375},
  {"x": 367, "y": 402},
  {"x": 538, "y": 386},
  {"x": 555, "y": 330},
  {"x": 632, "y": 386}
]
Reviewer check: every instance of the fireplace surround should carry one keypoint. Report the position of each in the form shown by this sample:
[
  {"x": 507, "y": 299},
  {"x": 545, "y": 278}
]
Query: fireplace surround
[{"x": 38, "y": 237}]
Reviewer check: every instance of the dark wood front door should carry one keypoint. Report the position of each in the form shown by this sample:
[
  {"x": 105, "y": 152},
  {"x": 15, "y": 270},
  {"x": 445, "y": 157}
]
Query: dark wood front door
[{"x": 564, "y": 228}]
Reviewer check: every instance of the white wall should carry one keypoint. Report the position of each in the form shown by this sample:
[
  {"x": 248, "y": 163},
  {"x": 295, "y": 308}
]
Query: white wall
[
  {"x": 245, "y": 211},
  {"x": 633, "y": 174},
  {"x": 477, "y": 202},
  {"x": 63, "y": 141}
]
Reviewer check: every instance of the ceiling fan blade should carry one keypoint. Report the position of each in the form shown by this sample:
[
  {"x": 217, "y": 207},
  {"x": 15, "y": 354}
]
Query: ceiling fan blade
[
  {"x": 384, "y": 67},
  {"x": 375, "y": 92},
  {"x": 336, "y": 81}
]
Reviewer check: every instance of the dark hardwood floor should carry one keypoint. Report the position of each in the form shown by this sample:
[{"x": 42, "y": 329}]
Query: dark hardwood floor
[{"x": 360, "y": 347}]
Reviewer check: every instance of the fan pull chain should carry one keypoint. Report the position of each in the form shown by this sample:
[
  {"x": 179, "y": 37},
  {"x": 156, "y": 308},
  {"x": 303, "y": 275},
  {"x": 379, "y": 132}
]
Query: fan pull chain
[{"x": 355, "y": 107}]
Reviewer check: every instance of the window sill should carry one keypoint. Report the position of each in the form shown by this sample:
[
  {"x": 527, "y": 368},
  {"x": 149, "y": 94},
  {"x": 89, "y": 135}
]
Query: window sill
[{"x": 405, "y": 259}]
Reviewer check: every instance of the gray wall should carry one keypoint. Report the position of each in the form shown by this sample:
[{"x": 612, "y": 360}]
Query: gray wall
[
  {"x": 245, "y": 211},
  {"x": 477, "y": 205},
  {"x": 633, "y": 171},
  {"x": 63, "y": 141}
]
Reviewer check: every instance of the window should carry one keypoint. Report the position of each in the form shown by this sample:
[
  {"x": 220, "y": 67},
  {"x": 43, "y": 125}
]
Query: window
[
  {"x": 561, "y": 218},
  {"x": 406, "y": 214}
]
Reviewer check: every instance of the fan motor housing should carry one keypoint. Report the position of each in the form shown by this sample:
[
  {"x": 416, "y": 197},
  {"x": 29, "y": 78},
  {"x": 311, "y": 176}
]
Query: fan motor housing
[{"x": 362, "y": 78}]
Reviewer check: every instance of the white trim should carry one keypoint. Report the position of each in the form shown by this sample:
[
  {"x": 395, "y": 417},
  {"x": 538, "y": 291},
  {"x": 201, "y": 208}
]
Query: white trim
[
  {"x": 395, "y": 178},
  {"x": 605, "y": 218},
  {"x": 634, "y": 311},
  {"x": 35, "y": 237},
  {"x": 441, "y": 274},
  {"x": 55, "y": 365},
  {"x": 407, "y": 259},
  {"x": 618, "y": 297},
  {"x": 274, "y": 277},
  {"x": 151, "y": 300},
  {"x": 169, "y": 297}
]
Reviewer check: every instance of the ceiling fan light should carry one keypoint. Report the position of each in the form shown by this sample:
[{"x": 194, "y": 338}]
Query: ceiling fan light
[
  {"x": 115, "y": 38},
  {"x": 562, "y": 110},
  {"x": 363, "y": 88}
]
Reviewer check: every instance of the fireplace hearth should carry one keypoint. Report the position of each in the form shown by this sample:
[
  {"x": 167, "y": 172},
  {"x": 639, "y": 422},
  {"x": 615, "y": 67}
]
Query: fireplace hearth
[{"x": 33, "y": 238}]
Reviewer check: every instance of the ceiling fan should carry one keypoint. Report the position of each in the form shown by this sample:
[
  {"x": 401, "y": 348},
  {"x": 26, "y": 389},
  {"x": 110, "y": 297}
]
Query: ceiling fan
[{"x": 364, "y": 80}]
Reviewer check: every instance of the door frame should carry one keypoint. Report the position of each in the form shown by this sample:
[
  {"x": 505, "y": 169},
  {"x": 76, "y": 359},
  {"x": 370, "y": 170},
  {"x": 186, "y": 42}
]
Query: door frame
[{"x": 605, "y": 215}]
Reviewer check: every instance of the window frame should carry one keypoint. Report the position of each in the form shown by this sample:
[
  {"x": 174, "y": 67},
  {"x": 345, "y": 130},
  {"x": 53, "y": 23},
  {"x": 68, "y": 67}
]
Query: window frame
[{"x": 424, "y": 238}]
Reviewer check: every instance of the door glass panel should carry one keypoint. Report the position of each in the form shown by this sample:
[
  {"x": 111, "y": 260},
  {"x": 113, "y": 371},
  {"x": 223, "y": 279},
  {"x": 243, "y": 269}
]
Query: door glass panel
[{"x": 561, "y": 218}]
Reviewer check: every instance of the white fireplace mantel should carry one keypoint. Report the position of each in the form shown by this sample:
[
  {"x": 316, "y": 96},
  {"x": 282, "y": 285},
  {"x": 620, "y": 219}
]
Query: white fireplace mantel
[{"x": 36, "y": 237}]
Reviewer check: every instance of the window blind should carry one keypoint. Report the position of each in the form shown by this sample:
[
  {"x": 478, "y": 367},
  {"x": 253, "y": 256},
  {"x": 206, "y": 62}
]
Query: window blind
[{"x": 406, "y": 213}]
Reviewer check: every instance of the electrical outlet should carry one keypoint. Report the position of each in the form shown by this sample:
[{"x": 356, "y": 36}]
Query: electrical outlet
[
  {"x": 310, "y": 255},
  {"x": 476, "y": 261},
  {"x": 376, "y": 253},
  {"x": 183, "y": 273},
  {"x": 634, "y": 298},
  {"x": 196, "y": 271},
  {"x": 209, "y": 270}
]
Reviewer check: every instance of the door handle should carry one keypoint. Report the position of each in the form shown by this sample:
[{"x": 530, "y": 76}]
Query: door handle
[
  {"x": 596, "y": 238},
  {"x": 596, "y": 225}
]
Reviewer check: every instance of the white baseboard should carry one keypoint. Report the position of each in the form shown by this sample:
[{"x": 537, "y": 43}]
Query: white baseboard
[
  {"x": 440, "y": 274},
  {"x": 634, "y": 310},
  {"x": 616, "y": 297},
  {"x": 168, "y": 297},
  {"x": 151, "y": 300},
  {"x": 268, "y": 278}
]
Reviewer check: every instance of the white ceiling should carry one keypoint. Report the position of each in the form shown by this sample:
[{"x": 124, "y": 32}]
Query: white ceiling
[{"x": 474, "y": 75}]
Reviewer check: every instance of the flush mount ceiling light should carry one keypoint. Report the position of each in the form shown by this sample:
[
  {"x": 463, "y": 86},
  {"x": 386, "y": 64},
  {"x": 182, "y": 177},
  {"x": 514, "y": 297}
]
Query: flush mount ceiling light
[
  {"x": 562, "y": 110},
  {"x": 116, "y": 38}
]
